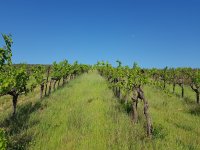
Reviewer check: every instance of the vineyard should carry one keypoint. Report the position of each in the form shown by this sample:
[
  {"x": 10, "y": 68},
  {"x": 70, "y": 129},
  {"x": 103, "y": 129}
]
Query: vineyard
[{"x": 79, "y": 106}]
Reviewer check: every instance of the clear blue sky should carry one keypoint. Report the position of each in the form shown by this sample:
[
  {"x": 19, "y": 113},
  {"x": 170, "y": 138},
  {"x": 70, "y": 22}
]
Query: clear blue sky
[{"x": 154, "y": 33}]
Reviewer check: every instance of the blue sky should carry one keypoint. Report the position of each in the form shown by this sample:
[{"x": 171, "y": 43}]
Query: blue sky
[{"x": 154, "y": 33}]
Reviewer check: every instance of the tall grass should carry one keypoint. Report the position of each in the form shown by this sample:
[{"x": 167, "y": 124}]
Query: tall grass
[
  {"x": 176, "y": 122},
  {"x": 85, "y": 115}
]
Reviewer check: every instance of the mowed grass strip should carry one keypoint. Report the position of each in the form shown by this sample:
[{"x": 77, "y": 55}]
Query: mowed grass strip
[{"x": 85, "y": 115}]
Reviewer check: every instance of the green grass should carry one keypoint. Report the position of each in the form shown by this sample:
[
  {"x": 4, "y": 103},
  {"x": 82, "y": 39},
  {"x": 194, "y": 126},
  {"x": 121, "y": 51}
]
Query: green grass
[
  {"x": 189, "y": 94},
  {"x": 175, "y": 121},
  {"x": 85, "y": 115}
]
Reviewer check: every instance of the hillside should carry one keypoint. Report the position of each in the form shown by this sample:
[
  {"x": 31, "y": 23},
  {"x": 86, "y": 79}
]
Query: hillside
[{"x": 85, "y": 115}]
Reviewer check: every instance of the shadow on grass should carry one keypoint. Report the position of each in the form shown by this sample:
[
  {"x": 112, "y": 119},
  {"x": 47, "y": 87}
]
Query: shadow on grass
[
  {"x": 195, "y": 110},
  {"x": 16, "y": 126},
  {"x": 127, "y": 106},
  {"x": 189, "y": 101}
]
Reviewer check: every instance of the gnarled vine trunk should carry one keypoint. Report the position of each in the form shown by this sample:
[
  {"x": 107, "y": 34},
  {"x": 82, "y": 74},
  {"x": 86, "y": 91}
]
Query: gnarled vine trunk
[
  {"x": 146, "y": 111},
  {"x": 45, "y": 91},
  {"x": 182, "y": 90},
  {"x": 197, "y": 96},
  {"x": 148, "y": 118},
  {"x": 174, "y": 86},
  {"x": 164, "y": 86},
  {"x": 134, "y": 107},
  {"x": 63, "y": 81},
  {"x": 54, "y": 85},
  {"x": 58, "y": 82},
  {"x": 41, "y": 89},
  {"x": 46, "y": 84},
  {"x": 15, "y": 97},
  {"x": 197, "y": 91},
  {"x": 119, "y": 93},
  {"x": 50, "y": 87}
]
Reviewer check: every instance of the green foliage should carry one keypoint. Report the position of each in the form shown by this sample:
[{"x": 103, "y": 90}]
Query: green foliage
[
  {"x": 14, "y": 79},
  {"x": 84, "y": 68},
  {"x": 92, "y": 121},
  {"x": 5, "y": 52},
  {"x": 119, "y": 63},
  {"x": 137, "y": 76},
  {"x": 38, "y": 74},
  {"x": 75, "y": 68},
  {"x": 196, "y": 78},
  {"x": 123, "y": 77},
  {"x": 65, "y": 68},
  {"x": 37, "y": 77},
  {"x": 56, "y": 70},
  {"x": 11, "y": 78},
  {"x": 159, "y": 132},
  {"x": 92, "y": 117},
  {"x": 3, "y": 140}
]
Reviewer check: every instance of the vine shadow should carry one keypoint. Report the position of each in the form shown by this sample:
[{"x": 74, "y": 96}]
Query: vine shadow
[
  {"x": 195, "y": 110},
  {"x": 16, "y": 126}
]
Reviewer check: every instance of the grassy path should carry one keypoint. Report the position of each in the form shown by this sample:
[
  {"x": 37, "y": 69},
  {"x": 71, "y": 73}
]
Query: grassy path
[{"x": 84, "y": 115}]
